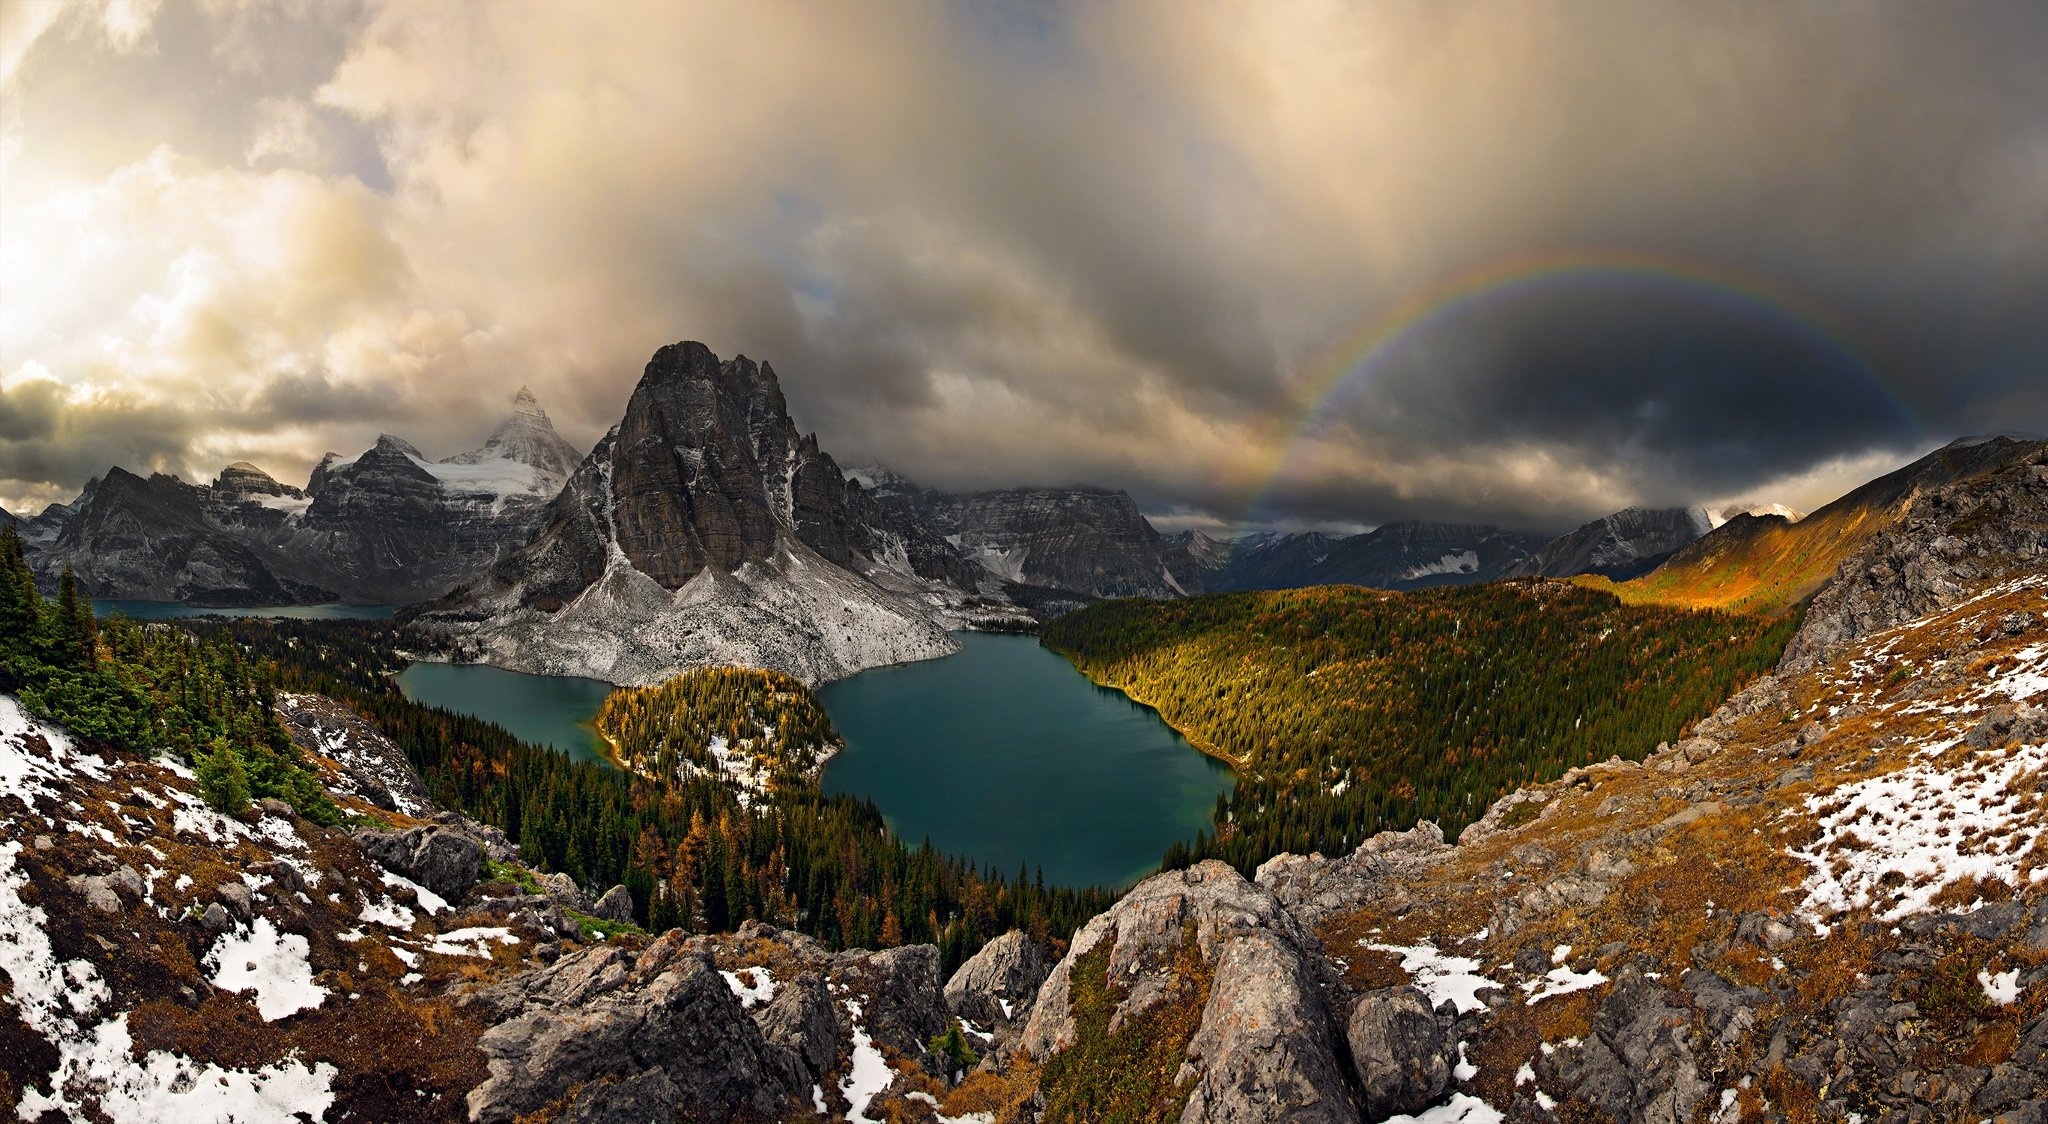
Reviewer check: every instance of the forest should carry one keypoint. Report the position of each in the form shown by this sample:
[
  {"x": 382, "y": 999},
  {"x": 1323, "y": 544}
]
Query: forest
[
  {"x": 1348, "y": 711},
  {"x": 691, "y": 852}
]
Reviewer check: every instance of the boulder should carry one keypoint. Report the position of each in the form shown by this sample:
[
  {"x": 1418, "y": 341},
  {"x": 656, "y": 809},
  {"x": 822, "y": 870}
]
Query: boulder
[
  {"x": 563, "y": 891},
  {"x": 615, "y": 905},
  {"x": 439, "y": 858},
  {"x": 997, "y": 985},
  {"x": 610, "y": 1038},
  {"x": 1402, "y": 1051}
]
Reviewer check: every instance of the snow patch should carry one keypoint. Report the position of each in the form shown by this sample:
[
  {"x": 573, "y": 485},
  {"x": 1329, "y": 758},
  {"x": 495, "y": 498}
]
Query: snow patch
[
  {"x": 756, "y": 988},
  {"x": 269, "y": 963},
  {"x": 869, "y": 1073},
  {"x": 1442, "y": 976}
]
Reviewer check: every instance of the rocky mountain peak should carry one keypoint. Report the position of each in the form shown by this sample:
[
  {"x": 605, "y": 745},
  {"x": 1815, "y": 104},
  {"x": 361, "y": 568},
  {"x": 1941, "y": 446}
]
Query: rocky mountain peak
[
  {"x": 244, "y": 479},
  {"x": 527, "y": 436}
]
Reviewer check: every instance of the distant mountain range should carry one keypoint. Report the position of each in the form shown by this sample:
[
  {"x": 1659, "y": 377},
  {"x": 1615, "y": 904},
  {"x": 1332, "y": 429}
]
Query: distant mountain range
[
  {"x": 705, "y": 528},
  {"x": 384, "y": 526}
]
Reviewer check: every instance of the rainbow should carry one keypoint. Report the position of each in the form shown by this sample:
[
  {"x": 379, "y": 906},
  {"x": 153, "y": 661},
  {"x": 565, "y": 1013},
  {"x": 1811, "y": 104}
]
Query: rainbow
[{"x": 1360, "y": 355}]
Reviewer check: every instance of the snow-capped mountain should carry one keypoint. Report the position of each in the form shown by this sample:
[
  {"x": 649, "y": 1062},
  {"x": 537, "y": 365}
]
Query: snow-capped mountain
[
  {"x": 385, "y": 526},
  {"x": 705, "y": 529},
  {"x": 1629, "y": 542}
]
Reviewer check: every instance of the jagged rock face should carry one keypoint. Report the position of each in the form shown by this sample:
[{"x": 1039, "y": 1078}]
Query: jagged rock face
[
  {"x": 758, "y": 1024},
  {"x": 625, "y": 1038},
  {"x": 1629, "y": 542},
  {"x": 1415, "y": 555},
  {"x": 704, "y": 529},
  {"x": 1092, "y": 541},
  {"x": 389, "y": 526}
]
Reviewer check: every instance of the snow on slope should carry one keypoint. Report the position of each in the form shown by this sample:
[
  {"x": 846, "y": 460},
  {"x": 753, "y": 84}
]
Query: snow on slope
[{"x": 63, "y": 1000}]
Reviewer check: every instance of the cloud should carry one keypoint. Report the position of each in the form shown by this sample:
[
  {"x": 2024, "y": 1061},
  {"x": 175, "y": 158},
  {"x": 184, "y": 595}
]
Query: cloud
[{"x": 997, "y": 244}]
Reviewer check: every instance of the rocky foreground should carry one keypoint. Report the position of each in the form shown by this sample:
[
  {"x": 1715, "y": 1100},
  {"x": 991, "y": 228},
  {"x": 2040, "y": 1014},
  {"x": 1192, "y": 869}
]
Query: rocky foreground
[{"x": 1828, "y": 902}]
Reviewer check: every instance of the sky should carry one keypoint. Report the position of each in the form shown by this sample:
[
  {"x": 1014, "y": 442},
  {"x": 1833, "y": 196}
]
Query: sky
[{"x": 1314, "y": 263}]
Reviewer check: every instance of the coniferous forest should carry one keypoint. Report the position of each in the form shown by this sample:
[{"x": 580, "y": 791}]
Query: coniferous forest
[
  {"x": 692, "y": 854},
  {"x": 1348, "y": 711}
]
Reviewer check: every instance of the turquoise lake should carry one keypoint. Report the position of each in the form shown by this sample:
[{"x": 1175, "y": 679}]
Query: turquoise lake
[
  {"x": 552, "y": 710},
  {"x": 1003, "y": 754},
  {"x": 171, "y": 610},
  {"x": 1007, "y": 755}
]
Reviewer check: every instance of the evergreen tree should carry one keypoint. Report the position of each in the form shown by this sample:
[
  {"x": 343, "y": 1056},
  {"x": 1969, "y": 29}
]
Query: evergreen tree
[{"x": 223, "y": 778}]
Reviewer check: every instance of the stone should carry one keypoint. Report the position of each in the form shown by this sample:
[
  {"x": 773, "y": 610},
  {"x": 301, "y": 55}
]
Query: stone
[
  {"x": 997, "y": 985},
  {"x": 236, "y": 897},
  {"x": 215, "y": 919},
  {"x": 97, "y": 892},
  {"x": 1402, "y": 1051},
  {"x": 661, "y": 1034},
  {"x": 615, "y": 905},
  {"x": 443, "y": 860}
]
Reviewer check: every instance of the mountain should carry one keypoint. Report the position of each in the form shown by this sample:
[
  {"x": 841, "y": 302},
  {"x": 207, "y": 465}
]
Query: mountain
[
  {"x": 161, "y": 539},
  {"x": 1629, "y": 542},
  {"x": 386, "y": 526},
  {"x": 1085, "y": 540},
  {"x": 1208, "y": 555},
  {"x": 1412, "y": 555},
  {"x": 1766, "y": 563},
  {"x": 1716, "y": 929},
  {"x": 705, "y": 529},
  {"x": 1269, "y": 560}
]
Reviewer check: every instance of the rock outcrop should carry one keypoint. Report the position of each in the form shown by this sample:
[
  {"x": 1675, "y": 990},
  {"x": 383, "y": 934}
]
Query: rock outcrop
[
  {"x": 442, "y": 859},
  {"x": 1266, "y": 1047},
  {"x": 996, "y": 987}
]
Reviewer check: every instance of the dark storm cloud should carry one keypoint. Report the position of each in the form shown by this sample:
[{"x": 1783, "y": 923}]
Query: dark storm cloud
[{"x": 1109, "y": 242}]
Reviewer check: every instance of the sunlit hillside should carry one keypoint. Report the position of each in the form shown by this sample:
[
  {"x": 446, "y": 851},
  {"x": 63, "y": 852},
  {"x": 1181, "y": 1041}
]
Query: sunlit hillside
[{"x": 1767, "y": 564}]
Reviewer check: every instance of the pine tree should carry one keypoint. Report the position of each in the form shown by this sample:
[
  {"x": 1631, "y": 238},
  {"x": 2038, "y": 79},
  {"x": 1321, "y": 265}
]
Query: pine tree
[{"x": 223, "y": 778}]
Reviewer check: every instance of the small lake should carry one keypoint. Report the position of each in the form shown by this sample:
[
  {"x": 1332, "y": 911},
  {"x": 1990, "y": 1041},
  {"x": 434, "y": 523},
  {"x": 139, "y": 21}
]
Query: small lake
[
  {"x": 1007, "y": 755},
  {"x": 552, "y": 710},
  {"x": 171, "y": 610}
]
